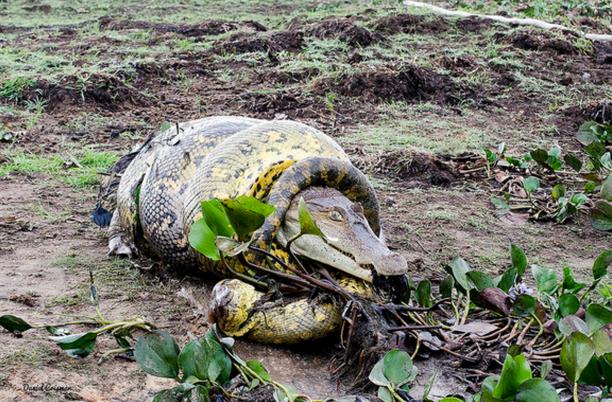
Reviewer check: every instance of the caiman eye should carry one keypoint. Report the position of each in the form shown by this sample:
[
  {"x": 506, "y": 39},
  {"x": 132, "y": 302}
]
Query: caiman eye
[{"x": 335, "y": 216}]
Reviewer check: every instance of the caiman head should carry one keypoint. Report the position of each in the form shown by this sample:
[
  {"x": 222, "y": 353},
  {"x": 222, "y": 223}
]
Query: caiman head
[{"x": 348, "y": 245}]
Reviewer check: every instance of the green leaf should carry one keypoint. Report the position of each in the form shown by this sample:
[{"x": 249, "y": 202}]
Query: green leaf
[
  {"x": 524, "y": 305},
  {"x": 170, "y": 395},
  {"x": 259, "y": 369},
  {"x": 540, "y": 156},
  {"x": 595, "y": 150},
  {"x": 220, "y": 365},
  {"x": 459, "y": 269},
  {"x": 515, "y": 372},
  {"x": 600, "y": 266},
  {"x": 536, "y": 389},
  {"x": 519, "y": 259},
  {"x": 601, "y": 215},
  {"x": 230, "y": 247},
  {"x": 423, "y": 293},
  {"x": 597, "y": 316},
  {"x": 568, "y": 304},
  {"x": 480, "y": 280},
  {"x": 307, "y": 223},
  {"x": 446, "y": 287},
  {"x": 377, "y": 375},
  {"x": 157, "y": 354},
  {"x": 576, "y": 353},
  {"x": 14, "y": 324},
  {"x": 586, "y": 133},
  {"x": 385, "y": 395},
  {"x": 451, "y": 399},
  {"x": 545, "y": 368},
  {"x": 573, "y": 162},
  {"x": 192, "y": 360},
  {"x": 500, "y": 203},
  {"x": 76, "y": 345},
  {"x": 246, "y": 214},
  {"x": 531, "y": 184},
  {"x": 546, "y": 279},
  {"x": 602, "y": 342},
  {"x": 203, "y": 239},
  {"x": 216, "y": 218},
  {"x": 569, "y": 283},
  {"x": 558, "y": 191},
  {"x": 397, "y": 367},
  {"x": 606, "y": 189},
  {"x": 508, "y": 279}
]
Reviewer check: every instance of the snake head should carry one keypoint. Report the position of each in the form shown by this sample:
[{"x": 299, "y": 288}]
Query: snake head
[{"x": 348, "y": 244}]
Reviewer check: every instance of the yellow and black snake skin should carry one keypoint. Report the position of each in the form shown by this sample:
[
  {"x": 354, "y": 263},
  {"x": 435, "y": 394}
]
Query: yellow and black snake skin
[{"x": 159, "y": 194}]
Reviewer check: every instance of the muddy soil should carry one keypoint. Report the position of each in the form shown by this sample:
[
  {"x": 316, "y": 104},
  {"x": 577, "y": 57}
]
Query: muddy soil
[{"x": 435, "y": 81}]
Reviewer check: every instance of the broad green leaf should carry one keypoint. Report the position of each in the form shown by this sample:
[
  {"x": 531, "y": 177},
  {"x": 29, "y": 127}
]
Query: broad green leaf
[
  {"x": 519, "y": 259},
  {"x": 77, "y": 345},
  {"x": 602, "y": 342},
  {"x": 540, "y": 156},
  {"x": 459, "y": 269},
  {"x": 576, "y": 353},
  {"x": 259, "y": 369},
  {"x": 546, "y": 279},
  {"x": 423, "y": 293},
  {"x": 384, "y": 394},
  {"x": 377, "y": 375},
  {"x": 446, "y": 287},
  {"x": 601, "y": 215},
  {"x": 600, "y": 266},
  {"x": 192, "y": 360},
  {"x": 200, "y": 394},
  {"x": 170, "y": 395},
  {"x": 571, "y": 324},
  {"x": 545, "y": 368},
  {"x": 216, "y": 218},
  {"x": 586, "y": 133},
  {"x": 14, "y": 324},
  {"x": 451, "y": 399},
  {"x": 591, "y": 374},
  {"x": 531, "y": 184},
  {"x": 203, "y": 239},
  {"x": 524, "y": 305},
  {"x": 606, "y": 189},
  {"x": 595, "y": 150},
  {"x": 508, "y": 279},
  {"x": 157, "y": 354},
  {"x": 558, "y": 191},
  {"x": 500, "y": 203},
  {"x": 307, "y": 223},
  {"x": 516, "y": 371},
  {"x": 597, "y": 316},
  {"x": 573, "y": 162},
  {"x": 246, "y": 214},
  {"x": 569, "y": 283},
  {"x": 536, "y": 390},
  {"x": 397, "y": 367},
  {"x": 480, "y": 280},
  {"x": 219, "y": 363},
  {"x": 568, "y": 304},
  {"x": 579, "y": 199}
]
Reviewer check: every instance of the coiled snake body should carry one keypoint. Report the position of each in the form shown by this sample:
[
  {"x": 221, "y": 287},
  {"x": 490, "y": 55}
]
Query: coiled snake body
[{"x": 158, "y": 199}]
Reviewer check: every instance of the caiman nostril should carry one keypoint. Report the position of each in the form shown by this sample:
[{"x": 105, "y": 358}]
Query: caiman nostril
[{"x": 391, "y": 288}]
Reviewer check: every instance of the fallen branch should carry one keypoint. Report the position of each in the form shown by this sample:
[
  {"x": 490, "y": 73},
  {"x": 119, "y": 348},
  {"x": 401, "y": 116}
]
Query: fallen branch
[{"x": 509, "y": 20}]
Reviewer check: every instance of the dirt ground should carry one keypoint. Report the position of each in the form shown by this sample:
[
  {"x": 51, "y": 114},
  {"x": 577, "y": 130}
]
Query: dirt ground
[{"x": 81, "y": 84}]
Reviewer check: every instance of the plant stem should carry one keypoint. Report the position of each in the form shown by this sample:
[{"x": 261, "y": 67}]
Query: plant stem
[
  {"x": 467, "y": 308},
  {"x": 576, "y": 392}
]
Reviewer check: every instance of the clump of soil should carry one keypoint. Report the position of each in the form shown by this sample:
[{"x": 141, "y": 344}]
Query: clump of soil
[
  {"x": 473, "y": 24},
  {"x": 106, "y": 91},
  {"x": 539, "y": 41},
  {"x": 268, "y": 104},
  {"x": 408, "y": 23},
  {"x": 292, "y": 41},
  {"x": 212, "y": 27},
  {"x": 410, "y": 83},
  {"x": 413, "y": 168},
  {"x": 603, "y": 52},
  {"x": 344, "y": 30}
]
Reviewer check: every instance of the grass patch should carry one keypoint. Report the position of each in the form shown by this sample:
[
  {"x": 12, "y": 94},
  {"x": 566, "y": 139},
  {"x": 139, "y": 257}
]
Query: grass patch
[{"x": 78, "y": 170}]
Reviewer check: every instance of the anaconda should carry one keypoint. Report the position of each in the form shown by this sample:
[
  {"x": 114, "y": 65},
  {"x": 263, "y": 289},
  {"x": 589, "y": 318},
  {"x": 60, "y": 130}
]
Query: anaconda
[{"x": 158, "y": 197}]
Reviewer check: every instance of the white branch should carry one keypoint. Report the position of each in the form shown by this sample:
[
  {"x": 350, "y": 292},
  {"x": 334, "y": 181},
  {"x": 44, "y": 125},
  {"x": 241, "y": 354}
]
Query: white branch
[{"x": 507, "y": 20}]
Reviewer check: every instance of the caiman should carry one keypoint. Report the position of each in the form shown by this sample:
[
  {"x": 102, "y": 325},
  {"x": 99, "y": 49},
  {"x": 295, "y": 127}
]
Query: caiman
[{"x": 157, "y": 188}]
